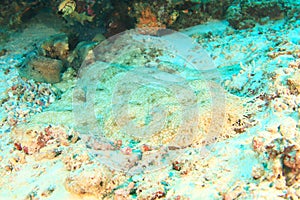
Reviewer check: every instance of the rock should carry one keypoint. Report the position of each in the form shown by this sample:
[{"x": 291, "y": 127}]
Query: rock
[{"x": 42, "y": 69}]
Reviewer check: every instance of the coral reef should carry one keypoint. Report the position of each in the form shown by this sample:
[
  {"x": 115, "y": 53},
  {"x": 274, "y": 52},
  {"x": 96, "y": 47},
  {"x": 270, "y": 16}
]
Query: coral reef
[
  {"x": 278, "y": 145},
  {"x": 117, "y": 16},
  {"x": 177, "y": 14},
  {"x": 144, "y": 117},
  {"x": 17, "y": 12}
]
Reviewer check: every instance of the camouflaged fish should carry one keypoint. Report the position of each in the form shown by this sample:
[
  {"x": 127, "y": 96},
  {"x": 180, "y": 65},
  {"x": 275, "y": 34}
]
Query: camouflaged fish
[{"x": 67, "y": 8}]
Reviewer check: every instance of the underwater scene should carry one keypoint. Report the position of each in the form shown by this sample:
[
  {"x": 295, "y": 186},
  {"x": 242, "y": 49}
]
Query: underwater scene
[{"x": 147, "y": 100}]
